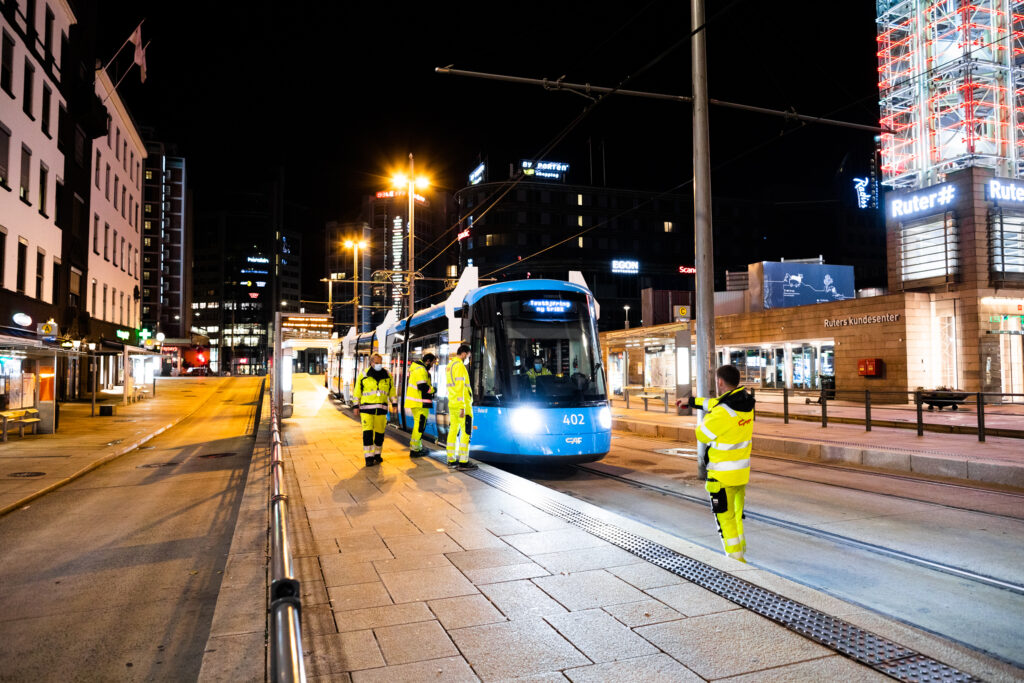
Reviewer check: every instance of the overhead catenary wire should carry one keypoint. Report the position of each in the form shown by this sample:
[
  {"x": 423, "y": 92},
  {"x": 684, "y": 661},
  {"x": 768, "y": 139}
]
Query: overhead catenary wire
[{"x": 547, "y": 148}]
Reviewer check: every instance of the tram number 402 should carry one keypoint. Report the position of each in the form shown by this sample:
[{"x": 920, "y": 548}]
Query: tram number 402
[{"x": 573, "y": 419}]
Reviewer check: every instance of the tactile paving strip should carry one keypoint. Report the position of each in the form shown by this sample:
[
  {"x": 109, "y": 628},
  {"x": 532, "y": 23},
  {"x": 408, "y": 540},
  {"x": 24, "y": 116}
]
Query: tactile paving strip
[{"x": 852, "y": 641}]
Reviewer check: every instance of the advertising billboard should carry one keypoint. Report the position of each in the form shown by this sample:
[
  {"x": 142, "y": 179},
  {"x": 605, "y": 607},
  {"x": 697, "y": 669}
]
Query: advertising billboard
[{"x": 790, "y": 284}]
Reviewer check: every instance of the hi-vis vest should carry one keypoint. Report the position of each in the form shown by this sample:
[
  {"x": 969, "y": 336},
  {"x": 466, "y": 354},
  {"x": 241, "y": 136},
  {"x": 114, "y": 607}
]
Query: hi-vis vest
[
  {"x": 729, "y": 435},
  {"x": 460, "y": 393},
  {"x": 414, "y": 398},
  {"x": 371, "y": 393},
  {"x": 533, "y": 374}
]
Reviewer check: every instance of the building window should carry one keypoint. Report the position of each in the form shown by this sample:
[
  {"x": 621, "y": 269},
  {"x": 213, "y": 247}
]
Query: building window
[
  {"x": 5, "y": 155},
  {"x": 117, "y": 144},
  {"x": 149, "y": 208},
  {"x": 26, "y": 93},
  {"x": 3, "y": 255},
  {"x": 103, "y": 315},
  {"x": 147, "y": 241},
  {"x": 122, "y": 253},
  {"x": 44, "y": 178},
  {"x": 131, "y": 167},
  {"x": 93, "y": 309},
  {"x": 106, "y": 243},
  {"x": 124, "y": 155},
  {"x": 122, "y": 201},
  {"x": 1006, "y": 245},
  {"x": 115, "y": 247},
  {"x": 45, "y": 115},
  {"x": 147, "y": 225},
  {"x": 97, "y": 172},
  {"x": 40, "y": 273},
  {"x": 7, "y": 65},
  {"x": 668, "y": 226},
  {"x": 106, "y": 184},
  {"x": 54, "y": 280},
  {"x": 75, "y": 287},
  {"x": 149, "y": 174},
  {"x": 117, "y": 181},
  {"x": 48, "y": 34},
  {"x": 26, "y": 172},
  {"x": 453, "y": 271},
  {"x": 22, "y": 264},
  {"x": 95, "y": 233},
  {"x": 120, "y": 311},
  {"x": 930, "y": 249}
]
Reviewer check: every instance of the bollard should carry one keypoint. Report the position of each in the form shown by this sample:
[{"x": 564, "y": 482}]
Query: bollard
[
  {"x": 785, "y": 405},
  {"x": 920, "y": 413},
  {"x": 867, "y": 410},
  {"x": 981, "y": 416},
  {"x": 824, "y": 410}
]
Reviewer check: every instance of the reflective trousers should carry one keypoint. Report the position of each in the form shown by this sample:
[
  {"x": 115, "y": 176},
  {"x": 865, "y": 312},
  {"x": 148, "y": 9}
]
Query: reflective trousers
[
  {"x": 373, "y": 433},
  {"x": 730, "y": 522},
  {"x": 419, "y": 424},
  {"x": 460, "y": 429}
]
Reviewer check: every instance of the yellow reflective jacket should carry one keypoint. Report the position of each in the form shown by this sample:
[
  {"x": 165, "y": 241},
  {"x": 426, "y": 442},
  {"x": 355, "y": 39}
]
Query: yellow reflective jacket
[
  {"x": 533, "y": 374},
  {"x": 460, "y": 393},
  {"x": 414, "y": 395},
  {"x": 728, "y": 430},
  {"x": 374, "y": 390}
]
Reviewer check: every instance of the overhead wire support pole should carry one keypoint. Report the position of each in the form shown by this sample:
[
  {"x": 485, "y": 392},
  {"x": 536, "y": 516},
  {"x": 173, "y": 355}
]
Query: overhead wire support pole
[
  {"x": 587, "y": 88},
  {"x": 702, "y": 232}
]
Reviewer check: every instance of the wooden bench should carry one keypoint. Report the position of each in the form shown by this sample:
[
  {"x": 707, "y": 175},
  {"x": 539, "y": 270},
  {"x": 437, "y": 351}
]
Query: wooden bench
[{"x": 28, "y": 417}]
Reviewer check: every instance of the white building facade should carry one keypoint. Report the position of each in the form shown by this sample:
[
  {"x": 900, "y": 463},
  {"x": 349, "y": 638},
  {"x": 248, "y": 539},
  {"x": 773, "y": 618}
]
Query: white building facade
[
  {"x": 31, "y": 165},
  {"x": 113, "y": 293}
]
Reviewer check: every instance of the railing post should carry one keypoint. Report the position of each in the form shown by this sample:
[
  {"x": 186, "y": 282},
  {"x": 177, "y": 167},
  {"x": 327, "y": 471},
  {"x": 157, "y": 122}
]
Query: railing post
[
  {"x": 824, "y": 409},
  {"x": 785, "y": 405},
  {"x": 920, "y": 413},
  {"x": 666, "y": 400},
  {"x": 867, "y": 410},
  {"x": 981, "y": 416},
  {"x": 625, "y": 392}
]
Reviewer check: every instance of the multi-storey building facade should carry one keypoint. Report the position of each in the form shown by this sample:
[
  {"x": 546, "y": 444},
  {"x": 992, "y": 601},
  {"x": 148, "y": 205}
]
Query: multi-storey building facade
[
  {"x": 247, "y": 266},
  {"x": 340, "y": 262},
  {"x": 166, "y": 244},
  {"x": 33, "y": 37},
  {"x": 114, "y": 294},
  {"x": 387, "y": 255}
]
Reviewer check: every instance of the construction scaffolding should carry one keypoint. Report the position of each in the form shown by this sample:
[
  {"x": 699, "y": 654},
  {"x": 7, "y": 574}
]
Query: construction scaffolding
[{"x": 951, "y": 86}]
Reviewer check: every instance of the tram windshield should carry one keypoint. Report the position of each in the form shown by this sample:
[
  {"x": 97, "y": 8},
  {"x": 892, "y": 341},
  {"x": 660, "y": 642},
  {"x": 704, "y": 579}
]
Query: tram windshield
[{"x": 549, "y": 353}]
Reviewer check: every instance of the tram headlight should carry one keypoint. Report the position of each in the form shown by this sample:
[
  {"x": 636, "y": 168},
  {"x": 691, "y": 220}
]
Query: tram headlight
[
  {"x": 604, "y": 418},
  {"x": 526, "y": 420}
]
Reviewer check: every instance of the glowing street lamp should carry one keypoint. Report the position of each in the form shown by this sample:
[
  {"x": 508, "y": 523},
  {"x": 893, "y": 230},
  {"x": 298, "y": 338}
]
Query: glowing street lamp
[
  {"x": 626, "y": 307},
  {"x": 410, "y": 182},
  {"x": 355, "y": 247}
]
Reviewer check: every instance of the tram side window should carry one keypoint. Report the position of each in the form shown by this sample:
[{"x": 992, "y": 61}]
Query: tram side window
[{"x": 485, "y": 366}]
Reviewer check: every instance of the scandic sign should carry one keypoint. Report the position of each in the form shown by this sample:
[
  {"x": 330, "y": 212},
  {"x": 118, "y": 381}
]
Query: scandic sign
[{"x": 863, "y": 320}]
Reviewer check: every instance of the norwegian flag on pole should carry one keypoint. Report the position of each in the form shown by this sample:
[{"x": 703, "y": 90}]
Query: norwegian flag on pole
[{"x": 140, "y": 52}]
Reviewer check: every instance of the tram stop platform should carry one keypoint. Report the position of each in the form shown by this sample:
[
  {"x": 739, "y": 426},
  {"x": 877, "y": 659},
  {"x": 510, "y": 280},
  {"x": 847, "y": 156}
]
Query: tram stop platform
[
  {"x": 412, "y": 572},
  {"x": 999, "y": 460}
]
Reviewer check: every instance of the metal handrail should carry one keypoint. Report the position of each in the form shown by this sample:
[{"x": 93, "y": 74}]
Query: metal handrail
[{"x": 286, "y": 663}]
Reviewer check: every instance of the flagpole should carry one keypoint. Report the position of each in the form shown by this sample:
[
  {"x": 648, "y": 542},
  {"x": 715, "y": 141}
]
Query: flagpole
[
  {"x": 130, "y": 35},
  {"x": 123, "y": 76}
]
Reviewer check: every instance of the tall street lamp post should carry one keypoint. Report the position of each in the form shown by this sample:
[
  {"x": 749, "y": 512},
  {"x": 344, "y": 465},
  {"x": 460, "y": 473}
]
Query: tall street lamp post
[
  {"x": 626, "y": 308},
  {"x": 355, "y": 247},
  {"x": 410, "y": 183}
]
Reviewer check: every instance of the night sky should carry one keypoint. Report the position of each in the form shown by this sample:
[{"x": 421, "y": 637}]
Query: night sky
[{"x": 339, "y": 93}]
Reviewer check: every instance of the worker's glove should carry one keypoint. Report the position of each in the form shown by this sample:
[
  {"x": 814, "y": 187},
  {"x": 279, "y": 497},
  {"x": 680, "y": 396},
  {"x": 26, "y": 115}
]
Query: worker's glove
[
  {"x": 355, "y": 411},
  {"x": 691, "y": 402},
  {"x": 462, "y": 413},
  {"x": 712, "y": 486}
]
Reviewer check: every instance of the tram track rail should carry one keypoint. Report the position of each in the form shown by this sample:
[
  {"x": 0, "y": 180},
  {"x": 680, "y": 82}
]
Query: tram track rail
[
  {"x": 866, "y": 473},
  {"x": 892, "y": 553}
]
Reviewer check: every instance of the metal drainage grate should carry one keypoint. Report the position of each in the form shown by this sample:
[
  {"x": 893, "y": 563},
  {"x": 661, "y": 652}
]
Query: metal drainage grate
[
  {"x": 217, "y": 455},
  {"x": 154, "y": 465},
  {"x": 26, "y": 475},
  {"x": 860, "y": 645}
]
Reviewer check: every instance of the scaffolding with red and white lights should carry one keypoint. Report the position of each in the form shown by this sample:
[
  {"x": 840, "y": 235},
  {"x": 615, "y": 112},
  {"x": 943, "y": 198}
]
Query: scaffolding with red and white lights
[{"x": 951, "y": 88}]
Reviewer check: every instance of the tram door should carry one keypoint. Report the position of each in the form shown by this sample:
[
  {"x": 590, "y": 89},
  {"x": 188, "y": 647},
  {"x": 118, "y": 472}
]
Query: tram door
[{"x": 437, "y": 376}]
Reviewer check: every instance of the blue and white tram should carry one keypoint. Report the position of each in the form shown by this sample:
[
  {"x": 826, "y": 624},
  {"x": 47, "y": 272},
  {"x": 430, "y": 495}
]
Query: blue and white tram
[{"x": 561, "y": 417}]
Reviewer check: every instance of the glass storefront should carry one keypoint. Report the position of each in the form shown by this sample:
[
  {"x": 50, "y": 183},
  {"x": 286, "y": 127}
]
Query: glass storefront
[{"x": 797, "y": 365}]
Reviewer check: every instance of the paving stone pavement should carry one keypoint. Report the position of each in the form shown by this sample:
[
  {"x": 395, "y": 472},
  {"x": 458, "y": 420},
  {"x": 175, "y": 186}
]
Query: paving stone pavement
[{"x": 411, "y": 572}]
